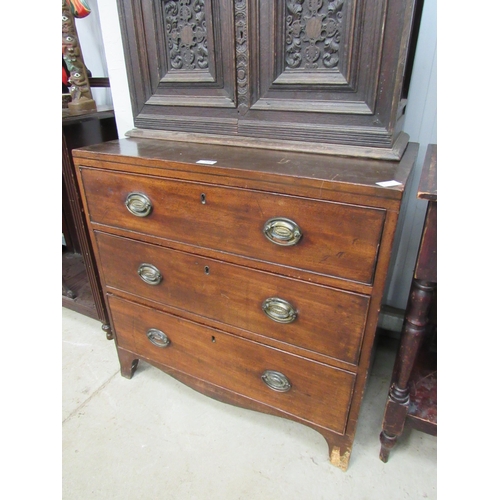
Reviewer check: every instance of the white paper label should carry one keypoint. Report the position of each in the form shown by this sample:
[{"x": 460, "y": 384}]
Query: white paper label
[
  {"x": 207, "y": 162},
  {"x": 388, "y": 184}
]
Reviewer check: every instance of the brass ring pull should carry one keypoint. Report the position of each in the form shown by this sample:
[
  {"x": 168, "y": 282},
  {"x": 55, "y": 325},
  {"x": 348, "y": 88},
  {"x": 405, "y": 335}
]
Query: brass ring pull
[
  {"x": 157, "y": 337},
  {"x": 149, "y": 274},
  {"x": 281, "y": 231},
  {"x": 279, "y": 310},
  {"x": 138, "y": 204},
  {"x": 276, "y": 381}
]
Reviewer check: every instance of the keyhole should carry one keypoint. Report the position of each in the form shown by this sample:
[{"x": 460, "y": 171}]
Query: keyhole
[
  {"x": 207, "y": 270},
  {"x": 213, "y": 339},
  {"x": 203, "y": 198}
]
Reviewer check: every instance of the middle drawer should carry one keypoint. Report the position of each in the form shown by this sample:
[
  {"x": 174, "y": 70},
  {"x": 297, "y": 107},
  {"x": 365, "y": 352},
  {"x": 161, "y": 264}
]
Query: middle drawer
[{"x": 314, "y": 317}]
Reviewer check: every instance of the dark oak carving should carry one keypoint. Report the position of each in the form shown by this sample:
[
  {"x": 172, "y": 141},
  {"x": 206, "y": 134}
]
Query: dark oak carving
[
  {"x": 186, "y": 30},
  {"x": 241, "y": 34},
  {"x": 313, "y": 32},
  {"x": 307, "y": 75}
]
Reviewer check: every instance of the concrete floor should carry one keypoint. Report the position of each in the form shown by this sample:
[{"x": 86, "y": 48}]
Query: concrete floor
[{"x": 152, "y": 438}]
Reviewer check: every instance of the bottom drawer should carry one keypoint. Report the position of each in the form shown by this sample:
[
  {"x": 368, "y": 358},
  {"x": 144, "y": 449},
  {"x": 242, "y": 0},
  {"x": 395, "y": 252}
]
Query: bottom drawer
[{"x": 311, "y": 391}]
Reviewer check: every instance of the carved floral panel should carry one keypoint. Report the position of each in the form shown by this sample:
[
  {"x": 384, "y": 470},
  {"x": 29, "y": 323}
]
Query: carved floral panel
[
  {"x": 313, "y": 32},
  {"x": 186, "y": 33}
]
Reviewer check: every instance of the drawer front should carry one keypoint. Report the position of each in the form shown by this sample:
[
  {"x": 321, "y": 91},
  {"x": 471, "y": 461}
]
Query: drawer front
[
  {"x": 322, "y": 319},
  {"x": 333, "y": 239},
  {"x": 316, "y": 393}
]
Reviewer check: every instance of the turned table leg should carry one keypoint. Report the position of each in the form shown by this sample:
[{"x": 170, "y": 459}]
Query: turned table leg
[
  {"x": 414, "y": 329},
  {"x": 387, "y": 443}
]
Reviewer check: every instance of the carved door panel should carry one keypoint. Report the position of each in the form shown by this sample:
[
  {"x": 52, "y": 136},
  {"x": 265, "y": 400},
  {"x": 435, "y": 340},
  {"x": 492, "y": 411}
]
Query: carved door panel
[
  {"x": 181, "y": 64},
  {"x": 326, "y": 70}
]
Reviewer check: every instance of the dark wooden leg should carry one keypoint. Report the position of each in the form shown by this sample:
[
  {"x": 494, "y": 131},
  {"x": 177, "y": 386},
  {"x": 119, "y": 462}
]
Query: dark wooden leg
[
  {"x": 66, "y": 291},
  {"x": 387, "y": 442},
  {"x": 107, "y": 329},
  {"x": 414, "y": 329},
  {"x": 128, "y": 363}
]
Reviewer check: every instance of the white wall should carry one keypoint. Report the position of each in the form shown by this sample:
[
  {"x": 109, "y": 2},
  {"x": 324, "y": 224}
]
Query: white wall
[
  {"x": 101, "y": 44},
  {"x": 420, "y": 123},
  {"x": 113, "y": 45}
]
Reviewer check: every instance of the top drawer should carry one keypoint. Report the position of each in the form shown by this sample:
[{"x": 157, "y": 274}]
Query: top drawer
[{"x": 319, "y": 236}]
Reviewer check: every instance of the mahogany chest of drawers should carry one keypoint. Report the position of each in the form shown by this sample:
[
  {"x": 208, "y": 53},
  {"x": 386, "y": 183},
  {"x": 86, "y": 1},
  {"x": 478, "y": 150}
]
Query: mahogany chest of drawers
[{"x": 253, "y": 276}]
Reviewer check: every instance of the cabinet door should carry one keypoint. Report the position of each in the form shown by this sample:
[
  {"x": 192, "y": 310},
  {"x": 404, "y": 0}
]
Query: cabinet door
[
  {"x": 180, "y": 58},
  {"x": 327, "y": 71}
]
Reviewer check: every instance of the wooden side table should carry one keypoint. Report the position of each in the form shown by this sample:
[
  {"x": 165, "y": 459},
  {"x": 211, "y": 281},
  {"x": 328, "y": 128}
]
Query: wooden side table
[
  {"x": 412, "y": 396},
  {"x": 81, "y": 290}
]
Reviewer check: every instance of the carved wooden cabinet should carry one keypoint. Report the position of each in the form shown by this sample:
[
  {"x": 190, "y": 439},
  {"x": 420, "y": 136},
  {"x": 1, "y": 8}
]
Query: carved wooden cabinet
[
  {"x": 306, "y": 75},
  {"x": 254, "y": 277}
]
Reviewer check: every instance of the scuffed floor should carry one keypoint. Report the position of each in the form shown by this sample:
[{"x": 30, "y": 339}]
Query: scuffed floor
[{"x": 152, "y": 438}]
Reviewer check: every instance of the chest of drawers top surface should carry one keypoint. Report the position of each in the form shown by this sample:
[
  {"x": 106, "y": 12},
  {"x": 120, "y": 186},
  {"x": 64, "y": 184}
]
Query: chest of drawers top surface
[{"x": 314, "y": 175}]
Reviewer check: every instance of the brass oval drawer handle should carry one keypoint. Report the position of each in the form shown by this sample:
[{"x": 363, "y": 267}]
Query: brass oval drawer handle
[
  {"x": 157, "y": 337},
  {"x": 279, "y": 310},
  {"x": 281, "y": 231},
  {"x": 276, "y": 381},
  {"x": 138, "y": 204},
  {"x": 149, "y": 274}
]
